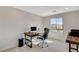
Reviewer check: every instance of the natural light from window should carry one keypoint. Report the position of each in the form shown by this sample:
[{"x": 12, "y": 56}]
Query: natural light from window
[{"x": 56, "y": 23}]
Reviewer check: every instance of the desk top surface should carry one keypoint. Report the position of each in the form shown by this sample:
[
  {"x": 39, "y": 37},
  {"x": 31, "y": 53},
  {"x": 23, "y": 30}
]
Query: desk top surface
[
  {"x": 30, "y": 33},
  {"x": 72, "y": 39}
]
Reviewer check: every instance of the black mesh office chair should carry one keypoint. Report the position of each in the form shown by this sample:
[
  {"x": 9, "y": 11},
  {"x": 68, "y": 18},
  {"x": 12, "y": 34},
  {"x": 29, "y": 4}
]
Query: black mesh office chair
[{"x": 43, "y": 37}]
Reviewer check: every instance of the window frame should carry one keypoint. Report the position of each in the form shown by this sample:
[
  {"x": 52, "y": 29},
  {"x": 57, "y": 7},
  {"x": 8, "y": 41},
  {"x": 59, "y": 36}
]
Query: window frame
[{"x": 57, "y": 24}]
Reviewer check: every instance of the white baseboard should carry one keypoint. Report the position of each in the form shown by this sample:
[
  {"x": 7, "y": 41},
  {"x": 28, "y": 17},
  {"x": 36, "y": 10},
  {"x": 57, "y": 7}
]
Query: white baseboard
[{"x": 5, "y": 49}]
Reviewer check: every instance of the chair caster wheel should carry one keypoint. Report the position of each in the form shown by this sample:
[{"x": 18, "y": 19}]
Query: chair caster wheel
[
  {"x": 42, "y": 47},
  {"x": 47, "y": 45},
  {"x": 37, "y": 44}
]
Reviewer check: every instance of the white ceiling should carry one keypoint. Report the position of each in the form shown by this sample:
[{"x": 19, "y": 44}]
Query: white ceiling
[{"x": 47, "y": 10}]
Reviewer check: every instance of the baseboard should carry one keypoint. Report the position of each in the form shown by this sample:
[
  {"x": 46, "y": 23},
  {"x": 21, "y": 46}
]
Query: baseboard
[
  {"x": 6, "y": 49},
  {"x": 52, "y": 38}
]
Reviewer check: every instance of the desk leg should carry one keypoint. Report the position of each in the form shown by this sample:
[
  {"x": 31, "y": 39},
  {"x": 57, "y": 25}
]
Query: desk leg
[
  {"x": 69, "y": 47},
  {"x": 31, "y": 42},
  {"x": 25, "y": 38},
  {"x": 77, "y": 47}
]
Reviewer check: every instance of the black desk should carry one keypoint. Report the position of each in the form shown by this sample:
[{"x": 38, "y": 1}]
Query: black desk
[{"x": 31, "y": 35}]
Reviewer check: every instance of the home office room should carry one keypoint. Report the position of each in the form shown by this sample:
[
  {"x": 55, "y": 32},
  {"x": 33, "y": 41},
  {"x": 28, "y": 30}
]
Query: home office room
[{"x": 37, "y": 28}]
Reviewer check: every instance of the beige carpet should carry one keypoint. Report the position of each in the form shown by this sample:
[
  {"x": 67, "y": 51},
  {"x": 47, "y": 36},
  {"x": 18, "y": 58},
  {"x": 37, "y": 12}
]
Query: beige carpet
[{"x": 54, "y": 46}]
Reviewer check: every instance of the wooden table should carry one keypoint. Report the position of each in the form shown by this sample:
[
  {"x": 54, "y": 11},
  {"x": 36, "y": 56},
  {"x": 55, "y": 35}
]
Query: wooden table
[
  {"x": 73, "y": 40},
  {"x": 31, "y": 35}
]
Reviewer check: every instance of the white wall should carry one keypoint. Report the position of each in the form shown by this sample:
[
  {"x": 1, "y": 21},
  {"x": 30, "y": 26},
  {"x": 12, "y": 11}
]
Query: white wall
[
  {"x": 13, "y": 23},
  {"x": 71, "y": 21}
]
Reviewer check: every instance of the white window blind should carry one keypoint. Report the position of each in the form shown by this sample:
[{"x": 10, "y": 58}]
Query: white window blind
[{"x": 56, "y": 23}]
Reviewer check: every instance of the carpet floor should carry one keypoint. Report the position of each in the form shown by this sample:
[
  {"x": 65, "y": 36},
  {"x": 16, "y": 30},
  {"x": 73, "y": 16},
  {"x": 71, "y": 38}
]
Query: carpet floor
[{"x": 53, "y": 46}]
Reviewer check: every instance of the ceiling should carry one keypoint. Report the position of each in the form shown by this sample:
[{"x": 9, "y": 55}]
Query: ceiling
[{"x": 47, "y": 10}]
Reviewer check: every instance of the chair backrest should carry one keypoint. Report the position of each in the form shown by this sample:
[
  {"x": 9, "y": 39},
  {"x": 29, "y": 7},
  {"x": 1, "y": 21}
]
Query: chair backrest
[{"x": 46, "y": 31}]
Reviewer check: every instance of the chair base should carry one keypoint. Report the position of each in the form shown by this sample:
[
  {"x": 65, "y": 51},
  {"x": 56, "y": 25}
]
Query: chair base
[{"x": 42, "y": 44}]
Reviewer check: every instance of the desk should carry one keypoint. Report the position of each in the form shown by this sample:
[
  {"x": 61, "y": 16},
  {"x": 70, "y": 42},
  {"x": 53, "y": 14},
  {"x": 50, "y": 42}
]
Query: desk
[
  {"x": 73, "y": 40},
  {"x": 31, "y": 35}
]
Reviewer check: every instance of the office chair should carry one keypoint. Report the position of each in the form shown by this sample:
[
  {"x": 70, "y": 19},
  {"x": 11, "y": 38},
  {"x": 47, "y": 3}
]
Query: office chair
[{"x": 43, "y": 37}]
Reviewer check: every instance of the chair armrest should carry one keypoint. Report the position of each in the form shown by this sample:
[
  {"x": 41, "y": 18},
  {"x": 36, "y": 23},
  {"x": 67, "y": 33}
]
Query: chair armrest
[{"x": 40, "y": 34}]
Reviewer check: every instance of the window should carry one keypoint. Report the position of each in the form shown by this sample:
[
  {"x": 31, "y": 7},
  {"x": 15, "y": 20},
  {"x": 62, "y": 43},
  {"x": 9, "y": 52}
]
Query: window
[{"x": 56, "y": 23}]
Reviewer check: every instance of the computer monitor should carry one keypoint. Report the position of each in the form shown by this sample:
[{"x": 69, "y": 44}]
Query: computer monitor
[{"x": 33, "y": 28}]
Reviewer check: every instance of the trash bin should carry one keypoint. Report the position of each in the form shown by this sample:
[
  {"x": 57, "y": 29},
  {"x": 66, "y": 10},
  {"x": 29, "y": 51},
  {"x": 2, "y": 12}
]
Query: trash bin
[{"x": 20, "y": 42}]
